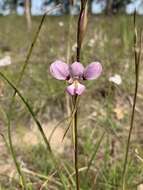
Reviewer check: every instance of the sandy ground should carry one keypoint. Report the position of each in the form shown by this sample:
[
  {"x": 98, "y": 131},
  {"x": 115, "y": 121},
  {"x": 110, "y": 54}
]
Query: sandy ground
[{"x": 31, "y": 137}]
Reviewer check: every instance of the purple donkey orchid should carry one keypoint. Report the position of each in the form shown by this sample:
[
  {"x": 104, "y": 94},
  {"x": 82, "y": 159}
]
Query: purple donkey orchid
[{"x": 74, "y": 74}]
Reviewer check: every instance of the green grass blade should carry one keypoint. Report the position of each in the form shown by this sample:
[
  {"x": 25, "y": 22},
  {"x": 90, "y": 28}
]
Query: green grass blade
[{"x": 94, "y": 153}]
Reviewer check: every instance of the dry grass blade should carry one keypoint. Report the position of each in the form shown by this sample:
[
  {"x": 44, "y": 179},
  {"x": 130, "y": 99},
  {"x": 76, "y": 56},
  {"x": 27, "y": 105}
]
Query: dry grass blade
[
  {"x": 72, "y": 116},
  {"x": 60, "y": 122},
  {"x": 5, "y": 141},
  {"x": 46, "y": 182},
  {"x": 55, "y": 127},
  {"x": 70, "y": 178},
  {"x": 47, "y": 178}
]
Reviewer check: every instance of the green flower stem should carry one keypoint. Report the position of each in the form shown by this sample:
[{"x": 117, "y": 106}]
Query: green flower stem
[
  {"x": 76, "y": 144},
  {"x": 17, "y": 165},
  {"x": 81, "y": 26}
]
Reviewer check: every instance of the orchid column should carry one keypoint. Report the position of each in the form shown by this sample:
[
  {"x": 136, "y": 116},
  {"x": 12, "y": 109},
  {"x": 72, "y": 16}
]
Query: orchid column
[{"x": 75, "y": 74}]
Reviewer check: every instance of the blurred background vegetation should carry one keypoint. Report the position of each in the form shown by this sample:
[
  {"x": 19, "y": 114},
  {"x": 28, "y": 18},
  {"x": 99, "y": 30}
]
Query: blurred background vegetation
[
  {"x": 95, "y": 6},
  {"x": 104, "y": 108}
]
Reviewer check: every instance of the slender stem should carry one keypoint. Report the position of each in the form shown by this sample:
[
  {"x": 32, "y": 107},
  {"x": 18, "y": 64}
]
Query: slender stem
[
  {"x": 22, "y": 178},
  {"x": 10, "y": 148},
  {"x": 76, "y": 145},
  {"x": 137, "y": 56},
  {"x": 75, "y": 115},
  {"x": 79, "y": 43},
  {"x": 129, "y": 136}
]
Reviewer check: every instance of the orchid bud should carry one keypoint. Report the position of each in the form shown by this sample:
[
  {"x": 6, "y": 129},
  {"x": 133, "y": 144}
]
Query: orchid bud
[{"x": 83, "y": 20}]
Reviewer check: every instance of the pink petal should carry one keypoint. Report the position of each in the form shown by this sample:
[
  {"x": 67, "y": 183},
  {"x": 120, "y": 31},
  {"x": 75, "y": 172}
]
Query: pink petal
[
  {"x": 77, "y": 69},
  {"x": 59, "y": 70},
  {"x": 75, "y": 89},
  {"x": 80, "y": 89},
  {"x": 92, "y": 71}
]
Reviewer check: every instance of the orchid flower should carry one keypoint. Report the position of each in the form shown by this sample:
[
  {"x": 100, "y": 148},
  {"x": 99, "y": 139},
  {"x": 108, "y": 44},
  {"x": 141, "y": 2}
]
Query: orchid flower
[{"x": 74, "y": 74}]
